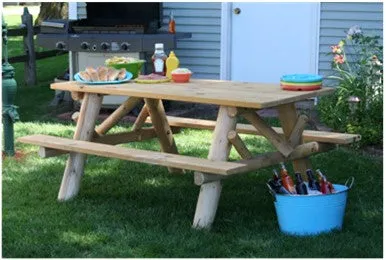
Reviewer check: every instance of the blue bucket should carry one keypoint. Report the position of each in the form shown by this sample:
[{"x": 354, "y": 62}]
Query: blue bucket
[{"x": 308, "y": 215}]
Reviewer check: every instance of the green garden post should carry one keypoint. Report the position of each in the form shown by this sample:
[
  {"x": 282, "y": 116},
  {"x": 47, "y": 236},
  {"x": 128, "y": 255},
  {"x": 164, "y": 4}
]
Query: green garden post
[{"x": 9, "y": 87}]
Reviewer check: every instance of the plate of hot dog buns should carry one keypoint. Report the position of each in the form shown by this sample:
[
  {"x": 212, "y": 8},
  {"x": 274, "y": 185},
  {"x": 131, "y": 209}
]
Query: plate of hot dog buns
[{"x": 103, "y": 75}]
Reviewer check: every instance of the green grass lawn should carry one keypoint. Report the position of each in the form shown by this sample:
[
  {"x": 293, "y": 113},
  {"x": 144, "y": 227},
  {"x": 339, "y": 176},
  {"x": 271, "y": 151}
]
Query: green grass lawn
[
  {"x": 128, "y": 209},
  {"x": 133, "y": 210}
]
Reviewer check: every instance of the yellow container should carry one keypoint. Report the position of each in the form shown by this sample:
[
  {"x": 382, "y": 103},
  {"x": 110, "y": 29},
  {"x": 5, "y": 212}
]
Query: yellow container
[{"x": 172, "y": 63}]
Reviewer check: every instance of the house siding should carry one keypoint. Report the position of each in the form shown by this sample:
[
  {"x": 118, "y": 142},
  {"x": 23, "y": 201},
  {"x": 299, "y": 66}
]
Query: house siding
[
  {"x": 81, "y": 8},
  {"x": 337, "y": 18},
  {"x": 201, "y": 52}
]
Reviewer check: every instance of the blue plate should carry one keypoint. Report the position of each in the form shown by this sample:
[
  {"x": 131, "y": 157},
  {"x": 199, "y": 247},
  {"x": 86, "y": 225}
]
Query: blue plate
[
  {"x": 301, "y": 78},
  {"x": 78, "y": 78}
]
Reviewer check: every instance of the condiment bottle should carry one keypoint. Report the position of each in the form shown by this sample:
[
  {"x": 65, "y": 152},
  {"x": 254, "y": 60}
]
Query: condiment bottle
[
  {"x": 286, "y": 180},
  {"x": 172, "y": 63},
  {"x": 172, "y": 23},
  {"x": 159, "y": 57}
]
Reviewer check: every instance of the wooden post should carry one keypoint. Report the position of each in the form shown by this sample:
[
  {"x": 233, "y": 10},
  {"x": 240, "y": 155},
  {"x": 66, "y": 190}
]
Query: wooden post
[
  {"x": 29, "y": 48},
  {"x": 219, "y": 151},
  {"x": 84, "y": 131},
  {"x": 288, "y": 118},
  {"x": 162, "y": 128}
]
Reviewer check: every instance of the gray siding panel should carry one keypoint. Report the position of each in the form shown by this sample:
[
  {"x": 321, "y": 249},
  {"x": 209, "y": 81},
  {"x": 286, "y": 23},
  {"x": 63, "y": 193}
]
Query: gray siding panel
[
  {"x": 337, "y": 18},
  {"x": 201, "y": 53},
  {"x": 81, "y": 10}
]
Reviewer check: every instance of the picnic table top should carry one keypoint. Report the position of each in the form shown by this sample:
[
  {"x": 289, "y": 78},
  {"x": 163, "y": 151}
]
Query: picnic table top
[{"x": 218, "y": 92}]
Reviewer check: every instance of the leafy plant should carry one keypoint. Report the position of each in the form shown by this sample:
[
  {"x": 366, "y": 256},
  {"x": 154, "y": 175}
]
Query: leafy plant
[{"x": 356, "y": 105}]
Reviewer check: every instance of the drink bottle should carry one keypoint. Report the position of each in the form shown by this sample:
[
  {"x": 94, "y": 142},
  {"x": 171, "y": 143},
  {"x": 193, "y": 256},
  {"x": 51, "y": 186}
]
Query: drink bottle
[
  {"x": 312, "y": 183},
  {"x": 323, "y": 183},
  {"x": 276, "y": 185},
  {"x": 172, "y": 24},
  {"x": 286, "y": 180},
  {"x": 300, "y": 187}
]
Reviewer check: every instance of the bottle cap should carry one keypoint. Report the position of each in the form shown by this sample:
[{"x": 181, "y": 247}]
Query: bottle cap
[{"x": 159, "y": 45}]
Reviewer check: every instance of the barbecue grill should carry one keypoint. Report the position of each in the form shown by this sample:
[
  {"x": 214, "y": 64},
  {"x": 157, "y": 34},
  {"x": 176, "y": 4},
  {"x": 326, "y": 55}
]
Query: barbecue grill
[{"x": 110, "y": 29}]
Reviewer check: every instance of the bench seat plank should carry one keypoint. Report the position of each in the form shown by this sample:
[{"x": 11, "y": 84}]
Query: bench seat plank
[
  {"x": 308, "y": 135},
  {"x": 130, "y": 154}
]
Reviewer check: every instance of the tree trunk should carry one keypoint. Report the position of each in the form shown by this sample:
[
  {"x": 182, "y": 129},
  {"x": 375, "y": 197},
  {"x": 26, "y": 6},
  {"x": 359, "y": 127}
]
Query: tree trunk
[{"x": 52, "y": 10}]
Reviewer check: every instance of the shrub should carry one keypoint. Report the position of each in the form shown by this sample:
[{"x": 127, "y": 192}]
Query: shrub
[{"x": 356, "y": 105}]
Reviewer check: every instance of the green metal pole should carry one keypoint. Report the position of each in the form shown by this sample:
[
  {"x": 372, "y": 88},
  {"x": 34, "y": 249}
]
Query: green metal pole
[{"x": 9, "y": 87}]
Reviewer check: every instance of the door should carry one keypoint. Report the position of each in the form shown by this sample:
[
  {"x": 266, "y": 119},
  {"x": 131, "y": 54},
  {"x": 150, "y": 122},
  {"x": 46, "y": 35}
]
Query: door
[{"x": 269, "y": 40}]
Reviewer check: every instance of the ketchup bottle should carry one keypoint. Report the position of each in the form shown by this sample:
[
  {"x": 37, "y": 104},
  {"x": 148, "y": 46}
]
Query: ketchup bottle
[
  {"x": 159, "y": 57},
  {"x": 286, "y": 180}
]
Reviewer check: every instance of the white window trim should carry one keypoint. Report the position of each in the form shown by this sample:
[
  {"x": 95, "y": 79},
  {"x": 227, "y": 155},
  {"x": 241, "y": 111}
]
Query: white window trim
[
  {"x": 226, "y": 39},
  {"x": 73, "y": 10}
]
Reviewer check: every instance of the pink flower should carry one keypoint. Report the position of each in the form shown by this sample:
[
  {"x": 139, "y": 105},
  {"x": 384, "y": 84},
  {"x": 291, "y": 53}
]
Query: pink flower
[
  {"x": 336, "y": 49},
  {"x": 339, "y": 59}
]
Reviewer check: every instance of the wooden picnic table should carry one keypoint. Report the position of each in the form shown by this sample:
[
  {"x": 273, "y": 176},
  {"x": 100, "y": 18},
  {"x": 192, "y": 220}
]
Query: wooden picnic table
[{"x": 292, "y": 142}]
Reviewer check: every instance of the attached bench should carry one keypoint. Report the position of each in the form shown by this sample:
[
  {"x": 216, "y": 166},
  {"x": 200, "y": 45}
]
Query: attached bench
[
  {"x": 224, "y": 168},
  {"x": 308, "y": 135}
]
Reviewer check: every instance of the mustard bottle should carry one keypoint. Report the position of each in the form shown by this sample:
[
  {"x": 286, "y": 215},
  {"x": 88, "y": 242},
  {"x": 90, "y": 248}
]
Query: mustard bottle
[{"x": 172, "y": 63}]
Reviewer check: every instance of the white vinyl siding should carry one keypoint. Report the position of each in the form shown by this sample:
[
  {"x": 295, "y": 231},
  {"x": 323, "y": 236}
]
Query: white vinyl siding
[{"x": 337, "y": 18}]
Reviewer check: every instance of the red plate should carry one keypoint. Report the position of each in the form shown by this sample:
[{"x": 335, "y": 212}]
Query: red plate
[{"x": 300, "y": 87}]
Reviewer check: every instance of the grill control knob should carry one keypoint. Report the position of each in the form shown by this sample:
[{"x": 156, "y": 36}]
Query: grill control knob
[
  {"x": 60, "y": 45},
  {"x": 125, "y": 46},
  {"x": 85, "y": 46},
  {"x": 105, "y": 46}
]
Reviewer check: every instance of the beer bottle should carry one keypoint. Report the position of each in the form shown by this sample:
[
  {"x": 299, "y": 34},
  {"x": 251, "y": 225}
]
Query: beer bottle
[
  {"x": 300, "y": 187},
  {"x": 312, "y": 183},
  {"x": 286, "y": 180},
  {"x": 331, "y": 187},
  {"x": 276, "y": 176},
  {"x": 323, "y": 183},
  {"x": 277, "y": 187},
  {"x": 278, "y": 184}
]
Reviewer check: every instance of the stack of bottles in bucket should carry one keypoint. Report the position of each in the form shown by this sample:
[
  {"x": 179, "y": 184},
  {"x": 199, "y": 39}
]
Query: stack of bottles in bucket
[{"x": 284, "y": 184}]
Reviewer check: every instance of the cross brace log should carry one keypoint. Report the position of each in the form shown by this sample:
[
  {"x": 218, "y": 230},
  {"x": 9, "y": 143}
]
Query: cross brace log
[
  {"x": 297, "y": 132},
  {"x": 141, "y": 118},
  {"x": 239, "y": 145},
  {"x": 279, "y": 142},
  {"x": 117, "y": 115}
]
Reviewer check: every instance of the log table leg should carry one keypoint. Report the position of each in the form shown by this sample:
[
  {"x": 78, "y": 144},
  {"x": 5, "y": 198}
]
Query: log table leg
[
  {"x": 84, "y": 131},
  {"x": 219, "y": 150},
  {"x": 161, "y": 126},
  {"x": 288, "y": 118}
]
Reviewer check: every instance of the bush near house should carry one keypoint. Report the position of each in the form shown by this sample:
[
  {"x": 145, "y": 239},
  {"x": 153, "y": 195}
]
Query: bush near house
[{"x": 356, "y": 105}]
